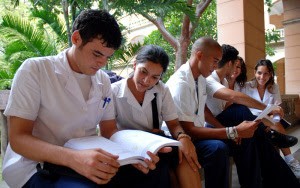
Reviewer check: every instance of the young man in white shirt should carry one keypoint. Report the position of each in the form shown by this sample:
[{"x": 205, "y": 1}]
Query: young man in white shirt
[
  {"x": 57, "y": 98},
  {"x": 258, "y": 163},
  {"x": 188, "y": 88}
]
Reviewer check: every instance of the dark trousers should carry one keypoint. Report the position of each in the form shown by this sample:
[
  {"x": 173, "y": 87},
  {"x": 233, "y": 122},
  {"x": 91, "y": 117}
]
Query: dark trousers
[
  {"x": 257, "y": 161},
  {"x": 127, "y": 176},
  {"x": 213, "y": 155}
]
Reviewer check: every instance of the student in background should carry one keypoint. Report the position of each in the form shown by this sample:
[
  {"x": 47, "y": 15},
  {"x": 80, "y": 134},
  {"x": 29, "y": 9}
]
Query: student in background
[
  {"x": 236, "y": 81},
  {"x": 263, "y": 88},
  {"x": 135, "y": 109},
  {"x": 257, "y": 161},
  {"x": 188, "y": 88},
  {"x": 224, "y": 96}
]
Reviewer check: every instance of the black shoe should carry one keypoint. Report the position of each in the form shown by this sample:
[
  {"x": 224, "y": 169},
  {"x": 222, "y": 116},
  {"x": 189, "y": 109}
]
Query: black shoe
[{"x": 281, "y": 140}]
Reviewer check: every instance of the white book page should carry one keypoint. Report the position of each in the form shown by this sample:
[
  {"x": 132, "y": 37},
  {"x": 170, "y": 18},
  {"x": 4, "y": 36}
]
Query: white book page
[
  {"x": 265, "y": 112},
  {"x": 93, "y": 142},
  {"x": 140, "y": 141}
]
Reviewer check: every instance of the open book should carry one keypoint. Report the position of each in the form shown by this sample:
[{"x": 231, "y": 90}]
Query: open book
[{"x": 130, "y": 145}]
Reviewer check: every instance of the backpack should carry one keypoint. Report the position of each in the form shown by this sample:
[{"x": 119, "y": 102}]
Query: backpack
[{"x": 113, "y": 76}]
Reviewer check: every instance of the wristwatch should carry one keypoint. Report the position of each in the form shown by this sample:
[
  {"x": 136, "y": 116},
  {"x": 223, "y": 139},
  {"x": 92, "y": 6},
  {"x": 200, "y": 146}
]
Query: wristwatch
[
  {"x": 231, "y": 133},
  {"x": 179, "y": 133}
]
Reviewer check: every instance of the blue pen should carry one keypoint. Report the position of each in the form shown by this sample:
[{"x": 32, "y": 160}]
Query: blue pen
[{"x": 106, "y": 100}]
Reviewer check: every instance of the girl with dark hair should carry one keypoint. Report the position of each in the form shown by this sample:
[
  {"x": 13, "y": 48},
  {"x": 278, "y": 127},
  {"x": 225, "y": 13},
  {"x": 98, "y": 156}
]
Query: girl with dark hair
[
  {"x": 239, "y": 77},
  {"x": 236, "y": 81},
  {"x": 263, "y": 88},
  {"x": 136, "y": 100}
]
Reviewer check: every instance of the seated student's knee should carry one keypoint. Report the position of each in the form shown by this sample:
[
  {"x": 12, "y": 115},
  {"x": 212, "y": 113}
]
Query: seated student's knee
[
  {"x": 212, "y": 148},
  {"x": 219, "y": 149},
  {"x": 234, "y": 115},
  {"x": 239, "y": 108}
]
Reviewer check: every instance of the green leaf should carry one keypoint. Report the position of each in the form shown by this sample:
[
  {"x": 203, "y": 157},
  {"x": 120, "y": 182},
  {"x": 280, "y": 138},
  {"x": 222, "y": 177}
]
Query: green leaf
[{"x": 158, "y": 8}]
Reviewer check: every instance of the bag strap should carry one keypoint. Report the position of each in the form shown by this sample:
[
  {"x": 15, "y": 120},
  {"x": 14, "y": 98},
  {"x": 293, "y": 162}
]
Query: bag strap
[{"x": 154, "y": 113}]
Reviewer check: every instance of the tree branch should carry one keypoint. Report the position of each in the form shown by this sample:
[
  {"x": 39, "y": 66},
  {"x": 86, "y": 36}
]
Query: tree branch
[
  {"x": 186, "y": 23},
  {"x": 65, "y": 6},
  {"x": 158, "y": 22},
  {"x": 200, "y": 8}
]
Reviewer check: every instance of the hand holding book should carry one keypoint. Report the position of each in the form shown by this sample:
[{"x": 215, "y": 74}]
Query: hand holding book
[{"x": 130, "y": 145}]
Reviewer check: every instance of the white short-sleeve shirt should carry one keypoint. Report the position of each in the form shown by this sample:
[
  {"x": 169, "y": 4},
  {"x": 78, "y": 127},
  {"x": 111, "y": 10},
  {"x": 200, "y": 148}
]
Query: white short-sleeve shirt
[
  {"x": 237, "y": 87},
  {"x": 45, "y": 90},
  {"x": 189, "y": 105},
  {"x": 213, "y": 84},
  {"x": 131, "y": 115},
  {"x": 273, "y": 97}
]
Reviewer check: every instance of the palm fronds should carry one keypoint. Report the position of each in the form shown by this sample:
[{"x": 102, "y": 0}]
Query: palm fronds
[
  {"x": 20, "y": 41},
  {"x": 124, "y": 56},
  {"x": 52, "y": 19},
  {"x": 21, "y": 35},
  {"x": 5, "y": 79}
]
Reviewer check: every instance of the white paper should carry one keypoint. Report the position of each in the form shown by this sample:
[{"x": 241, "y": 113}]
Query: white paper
[{"x": 266, "y": 111}]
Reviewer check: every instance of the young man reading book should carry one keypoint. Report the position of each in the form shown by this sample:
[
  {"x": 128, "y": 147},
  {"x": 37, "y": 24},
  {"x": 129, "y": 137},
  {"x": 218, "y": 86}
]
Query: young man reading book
[{"x": 57, "y": 98}]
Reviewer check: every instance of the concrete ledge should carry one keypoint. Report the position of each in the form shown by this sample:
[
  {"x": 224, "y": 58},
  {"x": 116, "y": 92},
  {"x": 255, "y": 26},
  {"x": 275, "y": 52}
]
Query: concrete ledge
[{"x": 288, "y": 105}]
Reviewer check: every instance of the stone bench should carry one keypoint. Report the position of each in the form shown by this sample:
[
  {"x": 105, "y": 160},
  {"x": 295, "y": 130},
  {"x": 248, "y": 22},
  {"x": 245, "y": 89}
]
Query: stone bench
[
  {"x": 3, "y": 121},
  {"x": 288, "y": 104}
]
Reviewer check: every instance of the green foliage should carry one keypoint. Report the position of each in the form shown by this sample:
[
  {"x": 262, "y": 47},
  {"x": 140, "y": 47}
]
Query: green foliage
[
  {"x": 159, "y": 8},
  {"x": 275, "y": 67},
  {"x": 156, "y": 38},
  {"x": 207, "y": 23},
  {"x": 124, "y": 56},
  {"x": 207, "y": 26},
  {"x": 54, "y": 22},
  {"x": 269, "y": 4},
  {"x": 20, "y": 41},
  {"x": 21, "y": 35},
  {"x": 271, "y": 36},
  {"x": 5, "y": 79}
]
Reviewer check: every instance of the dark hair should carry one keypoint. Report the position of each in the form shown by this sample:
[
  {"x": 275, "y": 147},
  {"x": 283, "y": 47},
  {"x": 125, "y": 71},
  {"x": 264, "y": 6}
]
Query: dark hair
[
  {"x": 153, "y": 53},
  {"x": 230, "y": 53},
  {"x": 269, "y": 65},
  {"x": 98, "y": 24},
  {"x": 242, "y": 78}
]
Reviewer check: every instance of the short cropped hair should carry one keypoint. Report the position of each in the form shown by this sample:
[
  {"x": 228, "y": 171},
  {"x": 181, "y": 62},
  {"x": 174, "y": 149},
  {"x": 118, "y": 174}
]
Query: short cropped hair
[
  {"x": 98, "y": 24},
  {"x": 204, "y": 44},
  {"x": 230, "y": 53}
]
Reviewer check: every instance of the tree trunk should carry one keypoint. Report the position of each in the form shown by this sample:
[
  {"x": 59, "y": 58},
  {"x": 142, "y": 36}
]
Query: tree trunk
[
  {"x": 65, "y": 6},
  {"x": 181, "y": 45}
]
